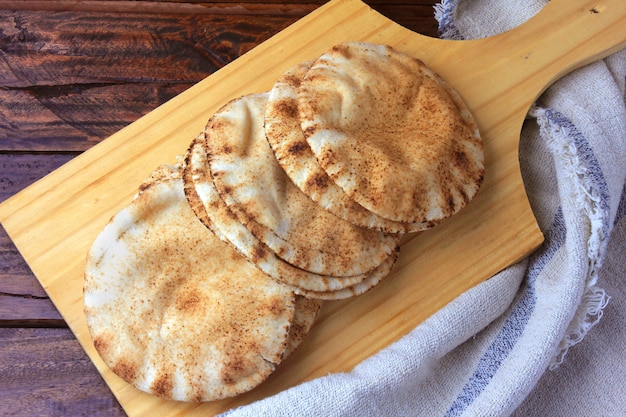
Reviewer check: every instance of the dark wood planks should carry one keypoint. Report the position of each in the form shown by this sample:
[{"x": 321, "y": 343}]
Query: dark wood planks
[
  {"x": 45, "y": 372},
  {"x": 71, "y": 79},
  {"x": 22, "y": 300},
  {"x": 20, "y": 169}
]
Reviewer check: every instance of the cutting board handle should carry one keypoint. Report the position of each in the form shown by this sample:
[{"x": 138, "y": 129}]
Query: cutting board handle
[
  {"x": 566, "y": 35},
  {"x": 523, "y": 62}
]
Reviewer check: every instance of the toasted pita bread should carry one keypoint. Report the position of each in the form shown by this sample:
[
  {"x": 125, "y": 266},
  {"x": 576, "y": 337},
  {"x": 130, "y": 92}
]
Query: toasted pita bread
[
  {"x": 373, "y": 279},
  {"x": 257, "y": 190},
  {"x": 391, "y": 133},
  {"x": 215, "y": 214},
  {"x": 282, "y": 128},
  {"x": 306, "y": 311},
  {"x": 175, "y": 311}
]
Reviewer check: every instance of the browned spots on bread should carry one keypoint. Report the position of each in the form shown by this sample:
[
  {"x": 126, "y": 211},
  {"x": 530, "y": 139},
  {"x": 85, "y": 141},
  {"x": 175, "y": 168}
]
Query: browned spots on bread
[
  {"x": 329, "y": 158},
  {"x": 189, "y": 301},
  {"x": 163, "y": 385},
  {"x": 101, "y": 343},
  {"x": 459, "y": 159},
  {"x": 215, "y": 124},
  {"x": 275, "y": 306},
  {"x": 238, "y": 364},
  {"x": 234, "y": 368},
  {"x": 259, "y": 253},
  {"x": 343, "y": 50},
  {"x": 126, "y": 369},
  {"x": 298, "y": 148},
  {"x": 292, "y": 80},
  {"x": 225, "y": 189},
  {"x": 319, "y": 182},
  {"x": 287, "y": 108}
]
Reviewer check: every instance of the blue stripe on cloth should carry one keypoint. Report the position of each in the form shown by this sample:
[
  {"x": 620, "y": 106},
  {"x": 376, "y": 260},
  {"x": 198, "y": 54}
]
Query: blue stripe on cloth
[{"x": 514, "y": 325}]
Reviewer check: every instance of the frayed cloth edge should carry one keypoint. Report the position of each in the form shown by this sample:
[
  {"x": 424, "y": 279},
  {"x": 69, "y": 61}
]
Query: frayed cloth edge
[
  {"x": 444, "y": 14},
  {"x": 594, "y": 299}
]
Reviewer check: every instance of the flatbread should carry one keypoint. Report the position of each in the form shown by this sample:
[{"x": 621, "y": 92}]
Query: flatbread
[
  {"x": 293, "y": 153},
  {"x": 215, "y": 214},
  {"x": 391, "y": 133},
  {"x": 373, "y": 279},
  {"x": 176, "y": 312},
  {"x": 306, "y": 312},
  {"x": 265, "y": 200}
]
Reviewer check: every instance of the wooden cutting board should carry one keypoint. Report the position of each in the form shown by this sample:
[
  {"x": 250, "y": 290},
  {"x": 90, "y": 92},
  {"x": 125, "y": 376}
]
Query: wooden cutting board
[{"x": 54, "y": 221}]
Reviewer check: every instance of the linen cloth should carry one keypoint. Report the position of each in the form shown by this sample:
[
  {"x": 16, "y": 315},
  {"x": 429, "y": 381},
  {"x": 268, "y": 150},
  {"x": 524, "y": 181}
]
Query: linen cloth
[{"x": 506, "y": 346}]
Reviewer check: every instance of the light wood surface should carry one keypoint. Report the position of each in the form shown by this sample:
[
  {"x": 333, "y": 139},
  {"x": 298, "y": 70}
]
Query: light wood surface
[{"x": 54, "y": 221}]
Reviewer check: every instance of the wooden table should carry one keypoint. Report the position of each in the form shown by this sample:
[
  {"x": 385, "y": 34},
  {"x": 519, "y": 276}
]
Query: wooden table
[{"x": 71, "y": 74}]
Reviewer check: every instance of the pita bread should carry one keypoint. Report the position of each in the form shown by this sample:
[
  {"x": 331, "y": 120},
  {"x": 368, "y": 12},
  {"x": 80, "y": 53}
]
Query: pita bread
[
  {"x": 215, "y": 214},
  {"x": 216, "y": 271},
  {"x": 264, "y": 199},
  {"x": 393, "y": 135},
  {"x": 306, "y": 312},
  {"x": 283, "y": 132},
  {"x": 374, "y": 278},
  {"x": 175, "y": 311}
]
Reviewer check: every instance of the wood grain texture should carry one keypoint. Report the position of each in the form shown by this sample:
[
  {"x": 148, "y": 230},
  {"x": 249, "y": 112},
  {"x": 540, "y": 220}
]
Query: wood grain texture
[
  {"x": 75, "y": 117},
  {"x": 23, "y": 302},
  {"x": 20, "y": 169},
  {"x": 45, "y": 372},
  {"x": 69, "y": 82}
]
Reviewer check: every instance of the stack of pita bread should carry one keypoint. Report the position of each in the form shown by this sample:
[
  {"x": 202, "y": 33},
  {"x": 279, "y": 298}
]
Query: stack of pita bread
[{"x": 216, "y": 270}]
